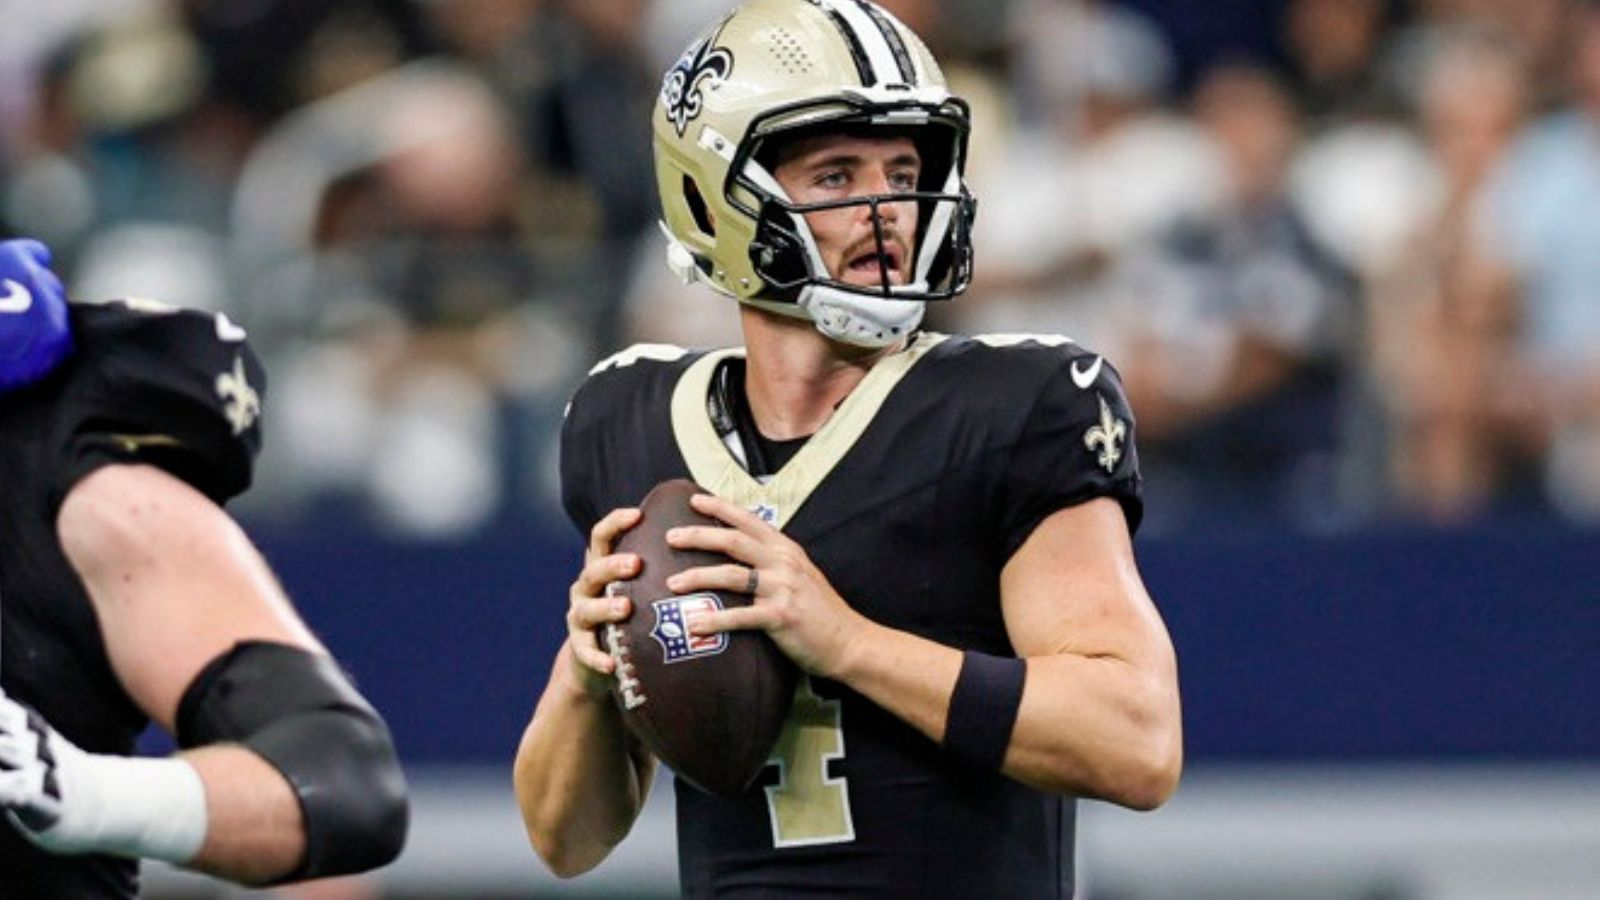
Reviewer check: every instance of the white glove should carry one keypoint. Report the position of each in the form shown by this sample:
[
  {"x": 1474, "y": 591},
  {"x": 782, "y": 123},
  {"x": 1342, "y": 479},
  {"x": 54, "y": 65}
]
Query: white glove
[
  {"x": 68, "y": 801},
  {"x": 30, "y": 783}
]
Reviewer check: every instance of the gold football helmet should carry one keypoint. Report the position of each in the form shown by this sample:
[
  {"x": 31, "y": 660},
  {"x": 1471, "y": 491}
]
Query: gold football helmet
[{"x": 777, "y": 69}]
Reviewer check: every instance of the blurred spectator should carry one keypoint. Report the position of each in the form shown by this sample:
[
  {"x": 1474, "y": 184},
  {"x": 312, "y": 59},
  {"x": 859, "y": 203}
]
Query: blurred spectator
[
  {"x": 1105, "y": 169},
  {"x": 575, "y": 119},
  {"x": 40, "y": 31},
  {"x": 1333, "y": 48},
  {"x": 1536, "y": 30},
  {"x": 577, "y": 79},
  {"x": 399, "y": 265},
  {"x": 1437, "y": 316},
  {"x": 122, "y": 131},
  {"x": 47, "y": 192},
  {"x": 1542, "y": 222},
  {"x": 267, "y": 57},
  {"x": 1237, "y": 333}
]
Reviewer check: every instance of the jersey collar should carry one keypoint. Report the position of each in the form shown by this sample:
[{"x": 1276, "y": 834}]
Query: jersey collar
[{"x": 714, "y": 467}]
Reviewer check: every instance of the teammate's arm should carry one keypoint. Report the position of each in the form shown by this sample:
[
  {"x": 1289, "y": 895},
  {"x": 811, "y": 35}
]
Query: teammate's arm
[
  {"x": 1099, "y": 712},
  {"x": 581, "y": 776},
  {"x": 186, "y": 604}
]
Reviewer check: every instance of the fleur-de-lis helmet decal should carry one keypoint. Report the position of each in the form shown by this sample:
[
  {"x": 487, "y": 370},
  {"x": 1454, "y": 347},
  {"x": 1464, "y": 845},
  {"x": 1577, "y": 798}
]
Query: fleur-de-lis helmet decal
[{"x": 680, "y": 89}]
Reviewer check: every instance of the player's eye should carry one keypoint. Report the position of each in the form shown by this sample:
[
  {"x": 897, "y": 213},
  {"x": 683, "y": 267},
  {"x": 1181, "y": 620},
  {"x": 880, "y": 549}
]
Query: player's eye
[
  {"x": 831, "y": 178},
  {"x": 903, "y": 180}
]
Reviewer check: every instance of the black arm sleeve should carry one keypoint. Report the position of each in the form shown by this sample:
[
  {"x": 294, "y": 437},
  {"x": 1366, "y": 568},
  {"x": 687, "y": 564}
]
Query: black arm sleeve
[{"x": 299, "y": 712}]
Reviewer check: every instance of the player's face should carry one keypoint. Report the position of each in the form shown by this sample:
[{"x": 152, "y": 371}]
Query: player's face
[{"x": 841, "y": 167}]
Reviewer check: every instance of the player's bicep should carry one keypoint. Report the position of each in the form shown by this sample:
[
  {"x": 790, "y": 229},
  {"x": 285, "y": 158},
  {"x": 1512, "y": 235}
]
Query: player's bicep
[
  {"x": 174, "y": 581},
  {"x": 1073, "y": 587}
]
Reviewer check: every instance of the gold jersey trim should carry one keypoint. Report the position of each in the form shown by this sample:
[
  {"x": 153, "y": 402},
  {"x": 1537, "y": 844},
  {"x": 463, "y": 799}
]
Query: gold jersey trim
[{"x": 713, "y": 466}]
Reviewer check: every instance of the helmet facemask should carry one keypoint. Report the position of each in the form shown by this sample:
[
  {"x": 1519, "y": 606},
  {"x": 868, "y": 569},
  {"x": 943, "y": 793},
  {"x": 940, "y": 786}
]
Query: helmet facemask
[
  {"x": 786, "y": 256},
  {"x": 784, "y": 252}
]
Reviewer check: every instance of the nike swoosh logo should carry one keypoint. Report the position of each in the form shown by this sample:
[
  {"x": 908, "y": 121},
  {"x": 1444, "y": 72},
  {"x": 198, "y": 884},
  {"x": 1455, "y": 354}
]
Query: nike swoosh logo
[
  {"x": 17, "y": 298},
  {"x": 227, "y": 331},
  {"x": 1084, "y": 378}
]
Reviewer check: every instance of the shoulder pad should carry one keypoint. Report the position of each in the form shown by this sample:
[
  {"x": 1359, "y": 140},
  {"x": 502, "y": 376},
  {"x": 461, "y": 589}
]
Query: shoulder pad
[
  {"x": 176, "y": 388},
  {"x": 638, "y": 352}
]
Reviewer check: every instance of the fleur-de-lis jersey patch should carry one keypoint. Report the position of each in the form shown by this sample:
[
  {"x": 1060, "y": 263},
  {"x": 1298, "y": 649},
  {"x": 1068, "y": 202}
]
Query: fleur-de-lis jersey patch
[
  {"x": 1107, "y": 436},
  {"x": 241, "y": 403}
]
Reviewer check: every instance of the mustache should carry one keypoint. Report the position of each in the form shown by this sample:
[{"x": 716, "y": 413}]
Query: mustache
[{"x": 869, "y": 245}]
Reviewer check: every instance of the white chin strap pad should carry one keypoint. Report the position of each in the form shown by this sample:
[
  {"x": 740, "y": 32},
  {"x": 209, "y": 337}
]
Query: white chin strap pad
[{"x": 862, "y": 321}]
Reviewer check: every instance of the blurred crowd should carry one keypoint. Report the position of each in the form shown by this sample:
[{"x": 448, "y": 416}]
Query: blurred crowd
[{"x": 1345, "y": 253}]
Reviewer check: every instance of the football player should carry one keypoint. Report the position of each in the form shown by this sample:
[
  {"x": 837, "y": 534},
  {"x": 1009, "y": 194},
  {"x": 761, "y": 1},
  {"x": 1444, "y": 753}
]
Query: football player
[
  {"x": 126, "y": 594},
  {"x": 936, "y": 529}
]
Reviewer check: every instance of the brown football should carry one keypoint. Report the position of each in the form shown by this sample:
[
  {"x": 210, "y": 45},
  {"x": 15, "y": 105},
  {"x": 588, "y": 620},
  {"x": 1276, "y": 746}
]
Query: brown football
[{"x": 712, "y": 707}]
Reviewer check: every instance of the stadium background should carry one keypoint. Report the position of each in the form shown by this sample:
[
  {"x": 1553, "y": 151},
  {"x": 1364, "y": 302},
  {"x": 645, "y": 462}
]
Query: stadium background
[{"x": 1344, "y": 251}]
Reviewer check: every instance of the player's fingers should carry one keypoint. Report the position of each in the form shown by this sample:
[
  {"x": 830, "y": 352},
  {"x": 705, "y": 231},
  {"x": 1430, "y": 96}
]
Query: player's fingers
[
  {"x": 730, "y": 577},
  {"x": 588, "y": 613},
  {"x": 603, "y": 536},
  {"x": 600, "y": 571},
  {"x": 740, "y": 618},
  {"x": 13, "y": 788},
  {"x": 733, "y": 514},
  {"x": 737, "y": 544},
  {"x": 587, "y": 651}
]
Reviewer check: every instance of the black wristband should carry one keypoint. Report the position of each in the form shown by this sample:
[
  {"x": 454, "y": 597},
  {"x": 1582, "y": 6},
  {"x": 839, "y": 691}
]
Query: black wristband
[{"x": 983, "y": 708}]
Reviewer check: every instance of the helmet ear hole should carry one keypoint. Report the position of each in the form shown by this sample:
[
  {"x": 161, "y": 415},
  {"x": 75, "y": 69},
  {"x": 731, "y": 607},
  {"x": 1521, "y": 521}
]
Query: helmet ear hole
[{"x": 697, "y": 208}]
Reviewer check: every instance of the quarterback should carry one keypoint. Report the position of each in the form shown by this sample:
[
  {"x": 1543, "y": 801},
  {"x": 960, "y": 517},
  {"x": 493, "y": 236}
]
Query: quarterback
[{"x": 936, "y": 529}]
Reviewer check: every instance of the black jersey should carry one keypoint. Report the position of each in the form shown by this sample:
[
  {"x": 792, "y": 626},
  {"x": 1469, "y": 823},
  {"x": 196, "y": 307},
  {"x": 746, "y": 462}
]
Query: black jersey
[
  {"x": 911, "y": 498},
  {"x": 147, "y": 384}
]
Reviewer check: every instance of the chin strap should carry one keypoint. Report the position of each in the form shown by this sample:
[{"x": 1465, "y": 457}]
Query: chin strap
[
  {"x": 839, "y": 315},
  {"x": 680, "y": 260},
  {"x": 863, "y": 321}
]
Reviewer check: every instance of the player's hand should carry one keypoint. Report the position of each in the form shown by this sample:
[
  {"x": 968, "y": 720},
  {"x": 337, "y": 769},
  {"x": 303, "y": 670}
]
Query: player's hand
[
  {"x": 67, "y": 800},
  {"x": 794, "y": 603},
  {"x": 30, "y": 778},
  {"x": 35, "y": 335},
  {"x": 591, "y": 607}
]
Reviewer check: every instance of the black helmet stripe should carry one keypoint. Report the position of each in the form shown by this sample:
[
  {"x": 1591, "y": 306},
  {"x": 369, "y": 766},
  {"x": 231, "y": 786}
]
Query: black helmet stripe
[
  {"x": 858, "y": 53},
  {"x": 879, "y": 60},
  {"x": 891, "y": 35}
]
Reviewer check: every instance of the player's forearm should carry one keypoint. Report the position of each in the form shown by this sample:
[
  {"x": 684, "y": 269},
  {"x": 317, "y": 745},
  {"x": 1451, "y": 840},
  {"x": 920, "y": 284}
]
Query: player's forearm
[
  {"x": 907, "y": 675},
  {"x": 1088, "y": 726},
  {"x": 1098, "y": 727},
  {"x": 222, "y": 810},
  {"x": 581, "y": 779},
  {"x": 255, "y": 834}
]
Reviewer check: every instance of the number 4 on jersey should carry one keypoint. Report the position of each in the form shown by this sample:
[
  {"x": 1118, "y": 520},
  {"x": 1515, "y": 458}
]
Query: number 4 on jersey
[{"x": 806, "y": 806}]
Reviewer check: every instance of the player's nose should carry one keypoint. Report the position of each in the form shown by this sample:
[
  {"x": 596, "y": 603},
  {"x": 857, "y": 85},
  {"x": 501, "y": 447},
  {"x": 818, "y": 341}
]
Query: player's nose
[
  {"x": 878, "y": 185},
  {"x": 878, "y": 181}
]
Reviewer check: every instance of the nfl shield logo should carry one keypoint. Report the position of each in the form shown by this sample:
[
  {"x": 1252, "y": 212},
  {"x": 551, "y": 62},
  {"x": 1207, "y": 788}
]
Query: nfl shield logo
[{"x": 673, "y": 618}]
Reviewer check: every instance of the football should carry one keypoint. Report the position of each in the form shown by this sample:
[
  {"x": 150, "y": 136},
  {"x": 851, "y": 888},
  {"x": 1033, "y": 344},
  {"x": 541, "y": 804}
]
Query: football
[{"x": 709, "y": 707}]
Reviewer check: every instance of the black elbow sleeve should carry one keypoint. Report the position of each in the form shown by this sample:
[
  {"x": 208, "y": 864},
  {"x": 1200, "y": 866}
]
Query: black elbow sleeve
[{"x": 299, "y": 712}]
